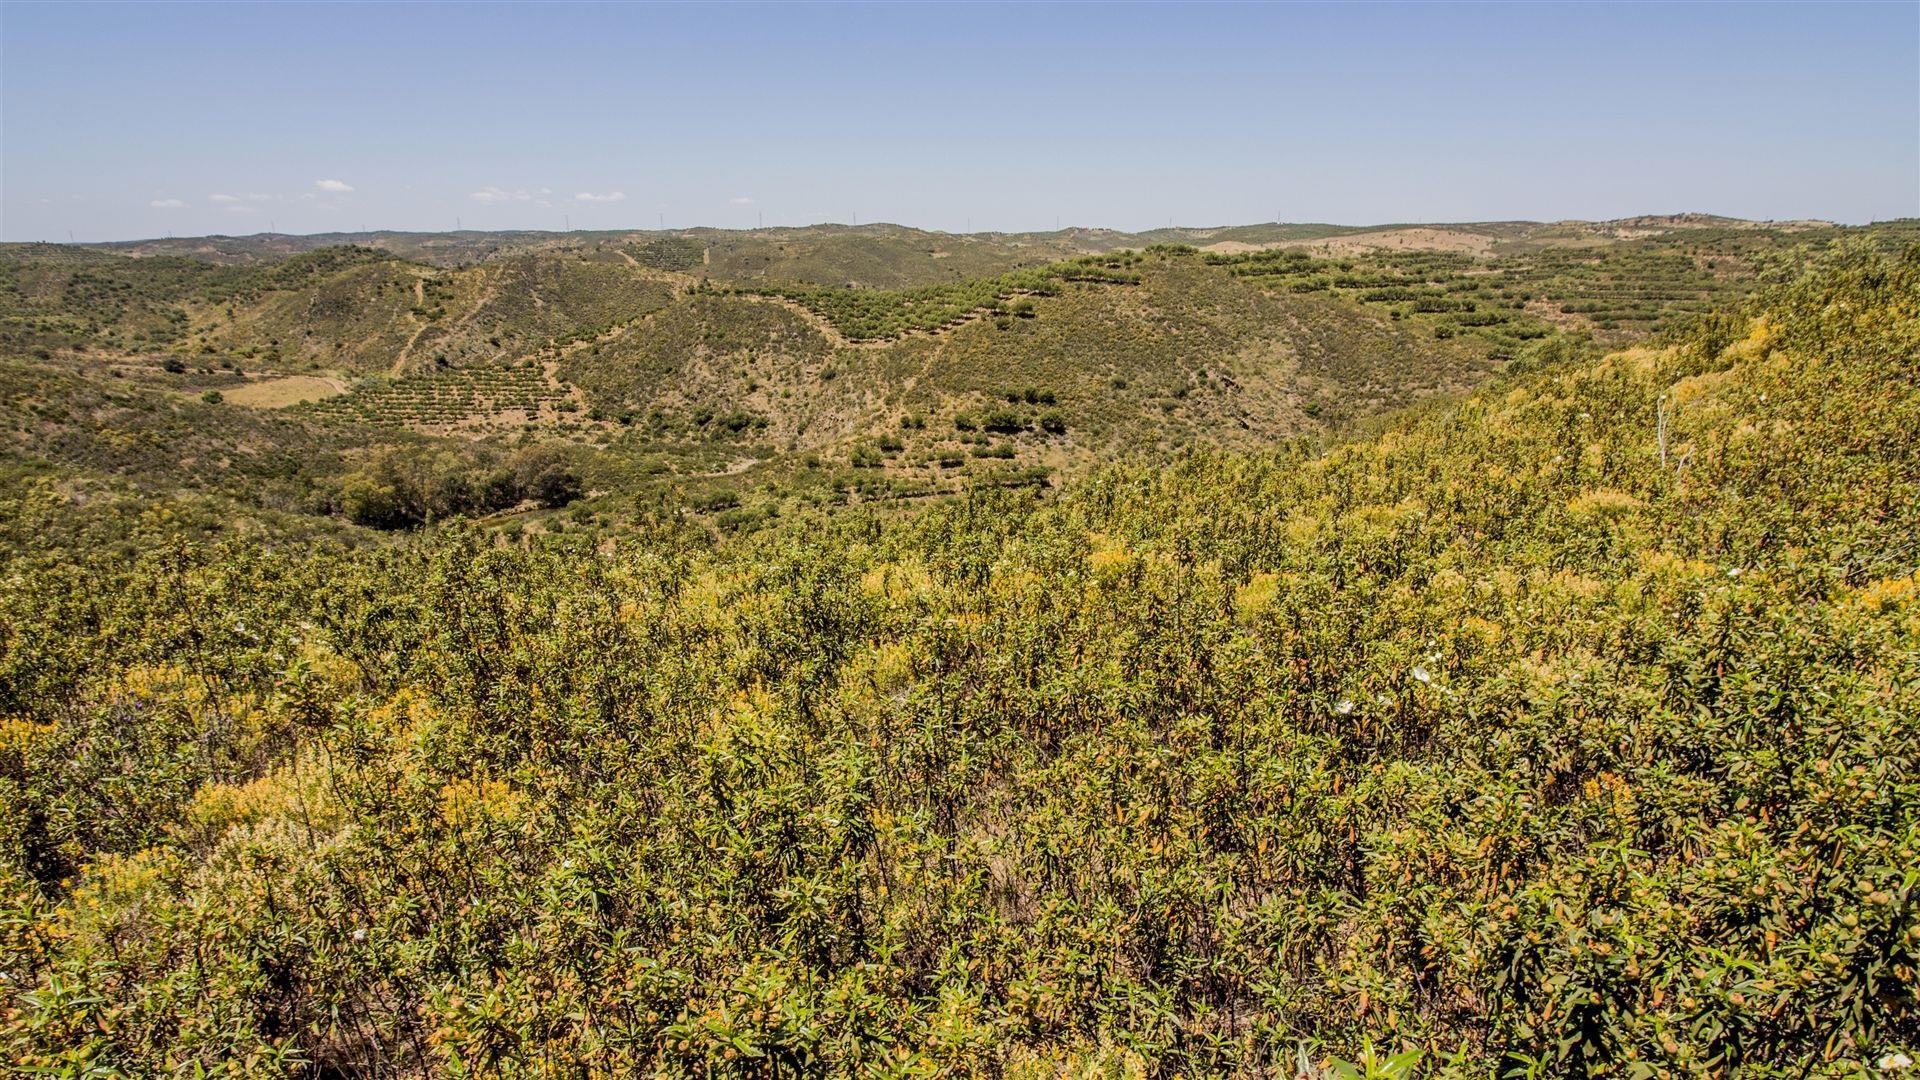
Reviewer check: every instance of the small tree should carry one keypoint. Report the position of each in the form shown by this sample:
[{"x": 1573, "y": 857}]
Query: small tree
[
  {"x": 1004, "y": 421},
  {"x": 546, "y": 475},
  {"x": 366, "y": 500}
]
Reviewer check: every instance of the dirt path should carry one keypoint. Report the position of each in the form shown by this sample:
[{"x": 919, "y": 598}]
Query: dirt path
[
  {"x": 681, "y": 284},
  {"x": 487, "y": 296},
  {"x": 419, "y": 301},
  {"x": 819, "y": 322},
  {"x": 733, "y": 468},
  {"x": 400, "y": 362}
]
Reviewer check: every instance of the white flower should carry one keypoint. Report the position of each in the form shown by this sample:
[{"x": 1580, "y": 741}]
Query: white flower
[
  {"x": 360, "y": 935},
  {"x": 1735, "y": 572},
  {"x": 1895, "y": 1060},
  {"x": 1421, "y": 675},
  {"x": 1344, "y": 706}
]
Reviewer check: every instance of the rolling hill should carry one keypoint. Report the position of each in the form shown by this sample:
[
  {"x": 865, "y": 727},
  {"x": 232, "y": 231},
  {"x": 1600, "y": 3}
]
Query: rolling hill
[
  {"x": 1560, "y": 726},
  {"x": 725, "y": 371}
]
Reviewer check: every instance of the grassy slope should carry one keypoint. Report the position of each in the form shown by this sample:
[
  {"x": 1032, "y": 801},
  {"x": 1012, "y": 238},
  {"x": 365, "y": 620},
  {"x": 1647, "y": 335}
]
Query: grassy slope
[
  {"x": 55, "y": 296},
  {"x": 514, "y": 306},
  {"x": 371, "y": 317},
  {"x": 714, "y": 351},
  {"x": 355, "y": 319},
  {"x": 1188, "y": 353}
]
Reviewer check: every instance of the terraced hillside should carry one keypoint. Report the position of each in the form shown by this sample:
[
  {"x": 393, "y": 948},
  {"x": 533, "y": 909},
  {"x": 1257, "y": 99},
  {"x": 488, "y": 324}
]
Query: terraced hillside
[
  {"x": 1515, "y": 290},
  {"x": 484, "y": 395}
]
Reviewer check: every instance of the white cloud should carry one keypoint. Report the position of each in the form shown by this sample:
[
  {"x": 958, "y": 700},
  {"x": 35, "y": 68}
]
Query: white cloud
[
  {"x": 740, "y": 200},
  {"x": 332, "y": 185},
  {"x": 219, "y": 198},
  {"x": 590, "y": 197},
  {"x": 168, "y": 204},
  {"x": 490, "y": 195}
]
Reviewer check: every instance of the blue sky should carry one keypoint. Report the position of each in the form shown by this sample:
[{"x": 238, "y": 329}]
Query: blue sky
[{"x": 122, "y": 121}]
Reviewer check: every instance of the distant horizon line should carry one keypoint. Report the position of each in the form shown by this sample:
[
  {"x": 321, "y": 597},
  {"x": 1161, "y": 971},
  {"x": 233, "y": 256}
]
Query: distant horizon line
[{"x": 1678, "y": 215}]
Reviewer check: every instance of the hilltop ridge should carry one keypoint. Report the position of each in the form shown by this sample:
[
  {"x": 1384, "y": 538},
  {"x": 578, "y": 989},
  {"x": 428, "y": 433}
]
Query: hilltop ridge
[{"x": 459, "y": 247}]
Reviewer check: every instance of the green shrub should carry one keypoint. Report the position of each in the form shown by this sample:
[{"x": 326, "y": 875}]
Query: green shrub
[{"x": 1003, "y": 421}]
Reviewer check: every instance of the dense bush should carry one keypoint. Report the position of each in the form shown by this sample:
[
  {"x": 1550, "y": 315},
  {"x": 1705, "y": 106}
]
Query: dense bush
[{"x": 403, "y": 487}]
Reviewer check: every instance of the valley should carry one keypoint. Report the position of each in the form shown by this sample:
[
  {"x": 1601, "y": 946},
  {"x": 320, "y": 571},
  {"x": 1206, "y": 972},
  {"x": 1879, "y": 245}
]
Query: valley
[{"x": 830, "y": 364}]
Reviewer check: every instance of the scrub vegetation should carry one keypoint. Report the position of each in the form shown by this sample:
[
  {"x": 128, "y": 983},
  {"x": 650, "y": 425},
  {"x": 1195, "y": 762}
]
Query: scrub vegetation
[{"x": 1213, "y": 668}]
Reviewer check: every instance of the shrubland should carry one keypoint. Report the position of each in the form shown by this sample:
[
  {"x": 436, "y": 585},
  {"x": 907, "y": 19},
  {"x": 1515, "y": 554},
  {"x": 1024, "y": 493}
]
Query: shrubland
[{"x": 1563, "y": 728}]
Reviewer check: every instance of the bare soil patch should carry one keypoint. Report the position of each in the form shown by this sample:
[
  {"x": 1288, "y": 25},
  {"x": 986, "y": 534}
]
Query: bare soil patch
[
  {"x": 281, "y": 392},
  {"x": 1422, "y": 239},
  {"x": 1414, "y": 239}
]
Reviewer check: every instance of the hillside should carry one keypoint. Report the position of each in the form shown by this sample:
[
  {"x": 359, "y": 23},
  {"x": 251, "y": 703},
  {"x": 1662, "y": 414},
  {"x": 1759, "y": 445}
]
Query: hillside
[
  {"x": 1558, "y": 728},
  {"x": 1162, "y": 350},
  {"x": 736, "y": 376}
]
